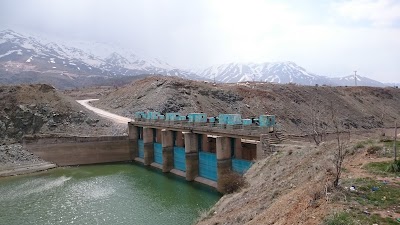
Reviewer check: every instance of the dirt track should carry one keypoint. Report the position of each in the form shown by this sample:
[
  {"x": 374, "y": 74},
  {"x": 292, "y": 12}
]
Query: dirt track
[{"x": 114, "y": 117}]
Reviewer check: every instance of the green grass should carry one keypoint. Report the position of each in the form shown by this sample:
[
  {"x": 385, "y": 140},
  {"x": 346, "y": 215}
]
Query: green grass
[
  {"x": 359, "y": 145},
  {"x": 357, "y": 218},
  {"x": 362, "y": 218},
  {"x": 394, "y": 167},
  {"x": 380, "y": 168},
  {"x": 342, "y": 218},
  {"x": 386, "y": 196},
  {"x": 389, "y": 144}
]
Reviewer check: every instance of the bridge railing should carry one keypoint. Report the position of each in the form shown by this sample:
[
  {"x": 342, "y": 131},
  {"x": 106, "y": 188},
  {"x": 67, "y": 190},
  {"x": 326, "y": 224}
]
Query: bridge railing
[{"x": 239, "y": 129}]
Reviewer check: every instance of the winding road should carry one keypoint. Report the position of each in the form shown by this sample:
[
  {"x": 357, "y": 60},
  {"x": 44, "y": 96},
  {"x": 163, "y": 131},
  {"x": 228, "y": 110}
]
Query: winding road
[{"x": 111, "y": 116}]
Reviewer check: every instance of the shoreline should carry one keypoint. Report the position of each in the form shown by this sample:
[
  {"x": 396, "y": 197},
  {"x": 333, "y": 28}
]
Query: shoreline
[{"x": 25, "y": 169}]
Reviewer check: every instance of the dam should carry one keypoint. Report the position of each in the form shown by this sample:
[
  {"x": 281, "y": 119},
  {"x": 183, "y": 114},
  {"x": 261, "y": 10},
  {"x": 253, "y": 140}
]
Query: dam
[{"x": 199, "y": 148}]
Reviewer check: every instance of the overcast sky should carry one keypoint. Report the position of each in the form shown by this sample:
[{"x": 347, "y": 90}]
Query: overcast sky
[{"x": 331, "y": 38}]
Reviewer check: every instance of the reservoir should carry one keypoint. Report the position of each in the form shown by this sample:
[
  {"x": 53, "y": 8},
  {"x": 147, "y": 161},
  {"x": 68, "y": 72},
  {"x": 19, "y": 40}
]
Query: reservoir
[{"x": 102, "y": 194}]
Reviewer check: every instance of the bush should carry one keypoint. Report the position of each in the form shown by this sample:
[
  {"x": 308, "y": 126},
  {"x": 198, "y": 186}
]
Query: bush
[
  {"x": 232, "y": 183},
  {"x": 359, "y": 145},
  {"x": 374, "y": 149}
]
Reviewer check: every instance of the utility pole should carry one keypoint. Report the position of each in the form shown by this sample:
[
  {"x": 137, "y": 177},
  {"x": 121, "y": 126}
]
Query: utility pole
[
  {"x": 355, "y": 78},
  {"x": 395, "y": 142}
]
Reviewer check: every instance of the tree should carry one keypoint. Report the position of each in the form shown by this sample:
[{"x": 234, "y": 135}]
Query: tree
[
  {"x": 341, "y": 147},
  {"x": 395, "y": 142},
  {"x": 318, "y": 126}
]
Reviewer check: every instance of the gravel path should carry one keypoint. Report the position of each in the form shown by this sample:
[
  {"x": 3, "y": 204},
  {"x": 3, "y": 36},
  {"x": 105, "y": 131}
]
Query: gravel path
[{"x": 114, "y": 117}]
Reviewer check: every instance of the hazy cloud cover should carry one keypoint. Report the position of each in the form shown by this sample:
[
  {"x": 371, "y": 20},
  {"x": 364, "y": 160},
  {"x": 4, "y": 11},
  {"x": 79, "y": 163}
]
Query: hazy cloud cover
[{"x": 330, "y": 38}]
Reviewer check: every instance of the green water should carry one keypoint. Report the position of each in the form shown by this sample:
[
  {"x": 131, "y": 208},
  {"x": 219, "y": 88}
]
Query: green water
[{"x": 102, "y": 194}]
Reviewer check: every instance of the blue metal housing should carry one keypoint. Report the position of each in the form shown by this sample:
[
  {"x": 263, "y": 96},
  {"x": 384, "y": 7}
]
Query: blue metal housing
[
  {"x": 172, "y": 116},
  {"x": 246, "y": 122},
  {"x": 267, "y": 120},
  {"x": 197, "y": 117},
  {"x": 182, "y": 118},
  {"x": 140, "y": 115},
  {"x": 152, "y": 115},
  {"x": 230, "y": 119}
]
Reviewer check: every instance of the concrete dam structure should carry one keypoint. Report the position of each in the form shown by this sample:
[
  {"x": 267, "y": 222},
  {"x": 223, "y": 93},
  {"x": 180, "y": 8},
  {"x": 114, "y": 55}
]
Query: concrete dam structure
[
  {"x": 200, "y": 148},
  {"x": 72, "y": 150},
  {"x": 197, "y": 147}
]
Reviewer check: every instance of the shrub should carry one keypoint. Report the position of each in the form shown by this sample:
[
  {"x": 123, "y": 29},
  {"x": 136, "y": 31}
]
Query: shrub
[
  {"x": 359, "y": 145},
  {"x": 374, "y": 149},
  {"x": 232, "y": 183}
]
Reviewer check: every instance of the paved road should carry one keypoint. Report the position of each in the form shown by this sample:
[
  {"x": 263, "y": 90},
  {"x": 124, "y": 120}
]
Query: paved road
[{"x": 114, "y": 117}]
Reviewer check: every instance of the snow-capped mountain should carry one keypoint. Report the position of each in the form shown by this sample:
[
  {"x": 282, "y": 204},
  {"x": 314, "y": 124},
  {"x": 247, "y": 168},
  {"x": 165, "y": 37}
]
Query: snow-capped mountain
[
  {"x": 278, "y": 72},
  {"x": 361, "y": 81},
  {"x": 26, "y": 53}
]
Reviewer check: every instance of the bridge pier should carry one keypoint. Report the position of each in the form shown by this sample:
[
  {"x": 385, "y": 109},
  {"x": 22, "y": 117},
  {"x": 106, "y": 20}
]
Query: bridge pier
[
  {"x": 197, "y": 154},
  {"x": 192, "y": 155},
  {"x": 167, "y": 139},
  {"x": 224, "y": 161},
  {"x": 238, "y": 149},
  {"x": 133, "y": 136},
  {"x": 205, "y": 144},
  {"x": 148, "y": 138}
]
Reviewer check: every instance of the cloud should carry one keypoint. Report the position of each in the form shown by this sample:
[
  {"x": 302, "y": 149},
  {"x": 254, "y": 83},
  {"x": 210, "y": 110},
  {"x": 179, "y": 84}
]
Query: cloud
[
  {"x": 380, "y": 13},
  {"x": 325, "y": 37}
]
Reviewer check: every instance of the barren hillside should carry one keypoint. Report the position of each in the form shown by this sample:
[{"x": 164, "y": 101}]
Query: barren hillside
[
  {"x": 34, "y": 109},
  {"x": 294, "y": 186},
  {"x": 357, "y": 107}
]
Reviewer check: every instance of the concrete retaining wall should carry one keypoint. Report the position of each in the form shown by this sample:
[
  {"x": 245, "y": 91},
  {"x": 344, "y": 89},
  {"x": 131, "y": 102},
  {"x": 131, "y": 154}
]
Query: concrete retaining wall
[{"x": 72, "y": 150}]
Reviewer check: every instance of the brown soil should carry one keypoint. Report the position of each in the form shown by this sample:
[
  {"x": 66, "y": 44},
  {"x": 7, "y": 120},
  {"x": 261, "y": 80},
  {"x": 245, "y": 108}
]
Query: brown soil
[
  {"x": 289, "y": 187},
  {"x": 285, "y": 188}
]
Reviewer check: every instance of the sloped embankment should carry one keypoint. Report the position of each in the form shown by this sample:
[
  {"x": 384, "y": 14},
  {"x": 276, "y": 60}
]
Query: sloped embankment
[{"x": 285, "y": 188}]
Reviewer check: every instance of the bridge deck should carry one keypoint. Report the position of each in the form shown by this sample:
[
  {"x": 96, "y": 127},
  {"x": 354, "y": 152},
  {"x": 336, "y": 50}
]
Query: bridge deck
[{"x": 250, "y": 132}]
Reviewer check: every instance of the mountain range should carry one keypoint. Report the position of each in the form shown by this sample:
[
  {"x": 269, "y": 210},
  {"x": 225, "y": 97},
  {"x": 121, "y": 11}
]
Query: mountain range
[{"x": 26, "y": 58}]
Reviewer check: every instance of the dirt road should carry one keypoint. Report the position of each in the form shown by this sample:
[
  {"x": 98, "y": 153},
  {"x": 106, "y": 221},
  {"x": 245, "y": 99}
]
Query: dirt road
[{"x": 103, "y": 113}]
